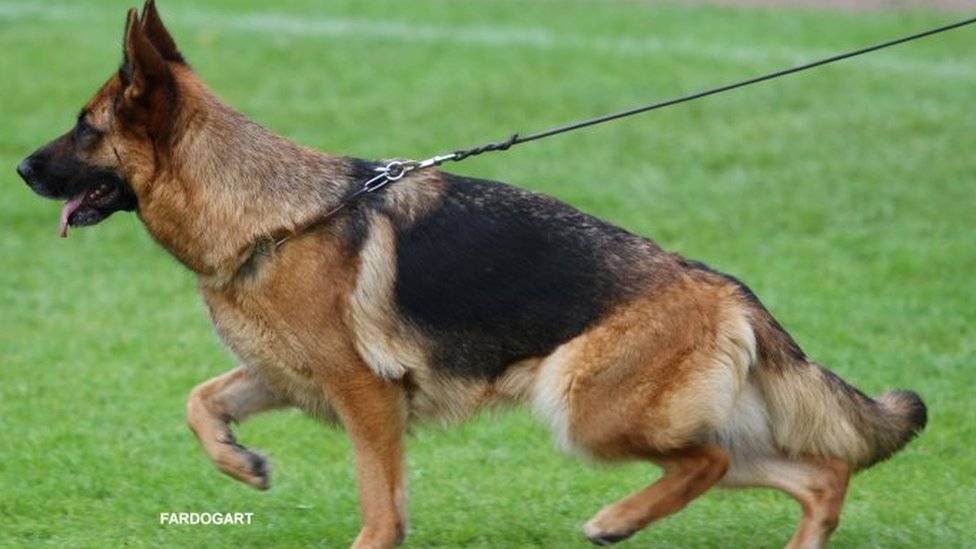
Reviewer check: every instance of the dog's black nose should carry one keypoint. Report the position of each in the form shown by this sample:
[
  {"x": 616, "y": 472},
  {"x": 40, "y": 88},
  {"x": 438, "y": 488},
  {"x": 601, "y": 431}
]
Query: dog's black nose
[{"x": 25, "y": 169}]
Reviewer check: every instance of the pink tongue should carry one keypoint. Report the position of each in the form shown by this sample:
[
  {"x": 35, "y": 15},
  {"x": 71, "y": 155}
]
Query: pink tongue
[{"x": 69, "y": 208}]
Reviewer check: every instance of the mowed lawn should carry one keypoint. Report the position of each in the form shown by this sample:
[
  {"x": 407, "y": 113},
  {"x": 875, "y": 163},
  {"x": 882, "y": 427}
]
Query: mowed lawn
[{"x": 845, "y": 197}]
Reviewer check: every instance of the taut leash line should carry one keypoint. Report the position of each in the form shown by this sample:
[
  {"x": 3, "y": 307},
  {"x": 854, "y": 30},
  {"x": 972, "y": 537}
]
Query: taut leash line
[
  {"x": 398, "y": 169},
  {"x": 516, "y": 139}
]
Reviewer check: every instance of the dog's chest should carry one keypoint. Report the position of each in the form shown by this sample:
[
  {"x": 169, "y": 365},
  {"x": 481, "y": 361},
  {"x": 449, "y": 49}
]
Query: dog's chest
[
  {"x": 288, "y": 326},
  {"x": 275, "y": 355}
]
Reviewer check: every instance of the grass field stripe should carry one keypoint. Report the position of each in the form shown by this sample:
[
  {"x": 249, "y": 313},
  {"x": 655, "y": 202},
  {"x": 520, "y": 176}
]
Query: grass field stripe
[
  {"x": 278, "y": 23},
  {"x": 16, "y": 10},
  {"x": 536, "y": 38}
]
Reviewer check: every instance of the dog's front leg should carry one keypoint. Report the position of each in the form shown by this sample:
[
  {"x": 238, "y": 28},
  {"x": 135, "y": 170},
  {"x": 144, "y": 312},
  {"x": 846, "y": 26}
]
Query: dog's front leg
[
  {"x": 215, "y": 403},
  {"x": 374, "y": 413}
]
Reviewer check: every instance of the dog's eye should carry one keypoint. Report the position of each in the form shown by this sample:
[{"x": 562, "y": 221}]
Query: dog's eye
[{"x": 84, "y": 131}]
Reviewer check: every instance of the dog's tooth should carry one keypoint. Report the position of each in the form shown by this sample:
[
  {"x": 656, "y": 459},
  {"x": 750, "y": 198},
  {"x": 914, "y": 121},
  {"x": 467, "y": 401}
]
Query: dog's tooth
[{"x": 98, "y": 191}]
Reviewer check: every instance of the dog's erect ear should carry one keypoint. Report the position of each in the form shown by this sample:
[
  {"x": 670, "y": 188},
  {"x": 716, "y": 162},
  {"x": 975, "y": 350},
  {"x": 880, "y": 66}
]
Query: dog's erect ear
[
  {"x": 143, "y": 68},
  {"x": 158, "y": 35}
]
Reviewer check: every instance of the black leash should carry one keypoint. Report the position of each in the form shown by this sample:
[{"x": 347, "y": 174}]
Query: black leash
[
  {"x": 398, "y": 169},
  {"x": 516, "y": 139}
]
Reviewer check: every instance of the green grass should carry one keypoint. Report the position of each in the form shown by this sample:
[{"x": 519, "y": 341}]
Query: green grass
[{"x": 845, "y": 197}]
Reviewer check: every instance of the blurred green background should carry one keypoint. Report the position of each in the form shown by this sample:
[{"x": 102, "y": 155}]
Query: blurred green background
[{"x": 845, "y": 197}]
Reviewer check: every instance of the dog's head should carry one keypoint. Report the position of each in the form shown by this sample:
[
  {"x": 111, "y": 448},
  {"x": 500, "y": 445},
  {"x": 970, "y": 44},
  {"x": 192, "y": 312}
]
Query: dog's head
[{"x": 101, "y": 165}]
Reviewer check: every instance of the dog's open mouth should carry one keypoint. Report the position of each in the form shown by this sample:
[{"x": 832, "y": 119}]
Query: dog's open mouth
[{"x": 91, "y": 206}]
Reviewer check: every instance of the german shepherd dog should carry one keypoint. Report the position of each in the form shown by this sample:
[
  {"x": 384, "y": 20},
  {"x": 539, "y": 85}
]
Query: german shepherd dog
[{"x": 440, "y": 294}]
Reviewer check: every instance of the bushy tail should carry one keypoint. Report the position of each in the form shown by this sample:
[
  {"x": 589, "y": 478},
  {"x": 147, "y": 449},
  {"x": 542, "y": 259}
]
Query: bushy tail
[{"x": 812, "y": 411}]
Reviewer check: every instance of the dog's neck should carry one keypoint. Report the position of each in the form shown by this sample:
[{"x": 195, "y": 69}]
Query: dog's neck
[{"x": 240, "y": 184}]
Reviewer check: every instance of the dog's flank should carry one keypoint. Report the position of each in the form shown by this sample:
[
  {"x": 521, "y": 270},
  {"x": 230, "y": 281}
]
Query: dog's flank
[
  {"x": 441, "y": 294},
  {"x": 495, "y": 275}
]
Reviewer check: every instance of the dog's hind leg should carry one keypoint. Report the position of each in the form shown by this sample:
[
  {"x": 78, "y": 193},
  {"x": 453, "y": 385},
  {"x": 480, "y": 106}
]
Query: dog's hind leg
[
  {"x": 687, "y": 475},
  {"x": 213, "y": 405},
  {"x": 652, "y": 382},
  {"x": 818, "y": 484}
]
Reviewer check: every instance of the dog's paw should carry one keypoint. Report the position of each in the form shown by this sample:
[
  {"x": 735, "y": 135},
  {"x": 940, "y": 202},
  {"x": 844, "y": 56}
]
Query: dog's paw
[
  {"x": 259, "y": 475},
  {"x": 247, "y": 466}
]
